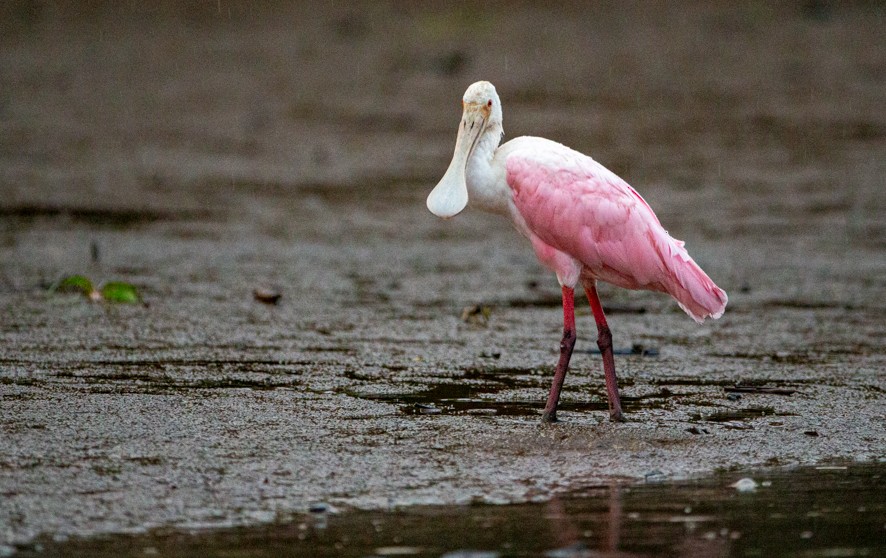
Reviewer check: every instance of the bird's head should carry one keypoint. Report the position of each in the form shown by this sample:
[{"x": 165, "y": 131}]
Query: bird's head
[
  {"x": 481, "y": 96},
  {"x": 482, "y": 111}
]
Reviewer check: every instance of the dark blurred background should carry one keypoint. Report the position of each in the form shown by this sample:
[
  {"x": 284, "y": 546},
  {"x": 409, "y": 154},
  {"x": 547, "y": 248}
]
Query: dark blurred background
[
  {"x": 156, "y": 103},
  {"x": 755, "y": 129}
]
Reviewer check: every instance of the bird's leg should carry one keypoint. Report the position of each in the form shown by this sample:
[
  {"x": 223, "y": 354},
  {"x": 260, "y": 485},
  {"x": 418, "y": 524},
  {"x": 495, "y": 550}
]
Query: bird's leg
[
  {"x": 566, "y": 346},
  {"x": 604, "y": 341}
]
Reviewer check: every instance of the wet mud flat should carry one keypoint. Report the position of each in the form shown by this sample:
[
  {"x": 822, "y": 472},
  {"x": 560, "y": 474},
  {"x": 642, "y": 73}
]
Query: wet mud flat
[{"x": 202, "y": 153}]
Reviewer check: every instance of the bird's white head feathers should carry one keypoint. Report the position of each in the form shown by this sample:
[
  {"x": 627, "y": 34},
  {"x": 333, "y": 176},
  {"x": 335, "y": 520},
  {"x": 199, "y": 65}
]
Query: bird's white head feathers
[
  {"x": 482, "y": 112},
  {"x": 482, "y": 93}
]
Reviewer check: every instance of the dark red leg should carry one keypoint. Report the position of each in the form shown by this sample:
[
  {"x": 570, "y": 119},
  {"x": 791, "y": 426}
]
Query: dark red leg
[
  {"x": 604, "y": 341},
  {"x": 566, "y": 346}
]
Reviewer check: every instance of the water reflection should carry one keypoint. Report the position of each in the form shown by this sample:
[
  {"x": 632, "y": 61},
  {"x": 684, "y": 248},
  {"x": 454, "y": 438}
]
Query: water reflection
[
  {"x": 571, "y": 539},
  {"x": 574, "y": 535},
  {"x": 823, "y": 511}
]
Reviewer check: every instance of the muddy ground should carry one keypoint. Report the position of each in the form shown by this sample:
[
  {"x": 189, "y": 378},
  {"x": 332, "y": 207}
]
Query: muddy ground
[{"x": 203, "y": 150}]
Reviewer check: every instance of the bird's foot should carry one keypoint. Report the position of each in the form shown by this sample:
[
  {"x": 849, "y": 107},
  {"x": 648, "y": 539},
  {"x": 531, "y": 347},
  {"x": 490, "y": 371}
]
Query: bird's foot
[
  {"x": 617, "y": 416},
  {"x": 549, "y": 418}
]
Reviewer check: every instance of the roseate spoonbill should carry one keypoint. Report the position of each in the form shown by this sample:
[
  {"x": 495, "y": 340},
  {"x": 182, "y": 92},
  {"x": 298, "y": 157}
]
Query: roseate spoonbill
[{"x": 584, "y": 222}]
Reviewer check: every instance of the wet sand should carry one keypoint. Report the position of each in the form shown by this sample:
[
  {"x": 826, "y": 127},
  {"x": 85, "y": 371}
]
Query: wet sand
[{"x": 201, "y": 152}]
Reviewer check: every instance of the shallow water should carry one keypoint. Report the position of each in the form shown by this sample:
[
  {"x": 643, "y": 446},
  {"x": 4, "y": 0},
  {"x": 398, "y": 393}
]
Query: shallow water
[{"x": 834, "y": 510}]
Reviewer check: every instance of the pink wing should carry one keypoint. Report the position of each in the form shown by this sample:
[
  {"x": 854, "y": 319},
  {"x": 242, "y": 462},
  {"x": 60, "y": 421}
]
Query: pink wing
[{"x": 576, "y": 206}]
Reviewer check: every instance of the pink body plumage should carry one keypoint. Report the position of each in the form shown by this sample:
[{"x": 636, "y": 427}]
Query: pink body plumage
[{"x": 587, "y": 223}]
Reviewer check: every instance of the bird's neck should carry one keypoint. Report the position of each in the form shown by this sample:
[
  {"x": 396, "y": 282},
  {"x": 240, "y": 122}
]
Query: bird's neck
[{"x": 486, "y": 189}]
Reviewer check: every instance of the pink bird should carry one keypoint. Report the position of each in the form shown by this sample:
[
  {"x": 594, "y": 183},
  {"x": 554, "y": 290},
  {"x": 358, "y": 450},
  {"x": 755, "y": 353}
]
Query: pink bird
[{"x": 584, "y": 222}]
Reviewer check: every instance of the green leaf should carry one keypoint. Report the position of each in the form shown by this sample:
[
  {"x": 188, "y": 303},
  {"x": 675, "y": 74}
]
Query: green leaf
[
  {"x": 118, "y": 291},
  {"x": 73, "y": 283}
]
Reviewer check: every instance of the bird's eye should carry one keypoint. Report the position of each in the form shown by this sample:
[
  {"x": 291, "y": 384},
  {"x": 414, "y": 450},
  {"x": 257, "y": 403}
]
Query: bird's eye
[{"x": 489, "y": 103}]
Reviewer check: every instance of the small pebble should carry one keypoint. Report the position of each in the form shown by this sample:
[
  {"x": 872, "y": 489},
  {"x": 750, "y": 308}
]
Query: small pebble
[
  {"x": 318, "y": 507},
  {"x": 266, "y": 296},
  {"x": 477, "y": 314},
  {"x": 655, "y": 476},
  {"x": 745, "y": 485},
  {"x": 423, "y": 409}
]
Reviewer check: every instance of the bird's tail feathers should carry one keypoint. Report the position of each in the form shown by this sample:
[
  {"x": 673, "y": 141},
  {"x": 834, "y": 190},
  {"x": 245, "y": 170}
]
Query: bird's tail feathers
[{"x": 694, "y": 291}]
